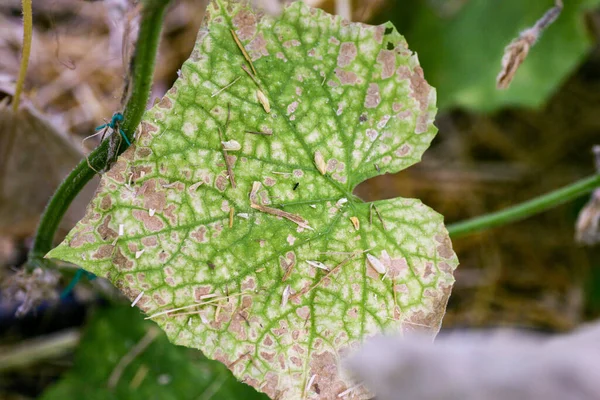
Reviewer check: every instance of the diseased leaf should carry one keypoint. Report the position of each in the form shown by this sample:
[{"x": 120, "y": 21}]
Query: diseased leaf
[
  {"x": 160, "y": 371},
  {"x": 262, "y": 257}
]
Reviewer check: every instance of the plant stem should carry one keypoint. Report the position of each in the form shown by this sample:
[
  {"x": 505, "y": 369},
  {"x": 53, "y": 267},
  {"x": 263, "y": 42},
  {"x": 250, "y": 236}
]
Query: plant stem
[
  {"x": 142, "y": 67},
  {"x": 33, "y": 351},
  {"x": 526, "y": 209},
  {"x": 27, "y": 35}
]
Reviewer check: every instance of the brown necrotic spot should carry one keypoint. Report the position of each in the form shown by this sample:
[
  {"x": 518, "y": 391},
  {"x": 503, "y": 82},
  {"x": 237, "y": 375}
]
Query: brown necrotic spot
[
  {"x": 105, "y": 232},
  {"x": 150, "y": 241},
  {"x": 303, "y": 312},
  {"x": 402, "y": 151},
  {"x": 269, "y": 181},
  {"x": 373, "y": 98},
  {"x": 200, "y": 234},
  {"x": 169, "y": 212},
  {"x": 395, "y": 267},
  {"x": 143, "y": 152},
  {"x": 353, "y": 312},
  {"x": 158, "y": 299},
  {"x": 221, "y": 183},
  {"x": 153, "y": 224},
  {"x": 429, "y": 269},
  {"x": 282, "y": 330},
  {"x": 387, "y": 62},
  {"x": 258, "y": 47},
  {"x": 200, "y": 291},
  {"x": 80, "y": 238},
  {"x": 270, "y": 384},
  {"x": 105, "y": 203},
  {"x": 378, "y": 32},
  {"x": 83, "y": 235},
  {"x": 238, "y": 326},
  {"x": 346, "y": 77},
  {"x": 163, "y": 255},
  {"x": 420, "y": 321},
  {"x": 103, "y": 252},
  {"x": 117, "y": 172},
  {"x": 249, "y": 284},
  {"x": 165, "y": 102},
  {"x": 445, "y": 247},
  {"x": 147, "y": 130},
  {"x": 372, "y": 134},
  {"x": 347, "y": 54},
  {"x": 152, "y": 198},
  {"x": 324, "y": 366},
  {"x": 268, "y": 341},
  {"x": 245, "y": 22},
  {"x": 296, "y": 361},
  {"x": 420, "y": 92},
  {"x": 267, "y": 356},
  {"x": 121, "y": 261},
  {"x": 291, "y": 43}
]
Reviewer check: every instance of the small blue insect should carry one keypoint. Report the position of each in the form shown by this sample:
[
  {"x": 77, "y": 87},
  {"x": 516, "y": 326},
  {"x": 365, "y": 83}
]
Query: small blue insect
[
  {"x": 117, "y": 118},
  {"x": 78, "y": 275}
]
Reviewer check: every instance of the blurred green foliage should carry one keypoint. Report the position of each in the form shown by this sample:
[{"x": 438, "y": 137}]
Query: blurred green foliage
[
  {"x": 460, "y": 44},
  {"x": 173, "y": 372}
]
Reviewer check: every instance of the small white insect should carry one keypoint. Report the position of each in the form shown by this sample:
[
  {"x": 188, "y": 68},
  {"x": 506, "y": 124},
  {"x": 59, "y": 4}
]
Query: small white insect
[
  {"x": 151, "y": 212},
  {"x": 310, "y": 382},
  {"x": 203, "y": 318},
  {"x": 231, "y": 145},
  {"x": 376, "y": 264},
  {"x": 317, "y": 264},
  {"x": 243, "y": 215},
  {"x": 286, "y": 295},
  {"x": 121, "y": 229},
  {"x": 341, "y": 202},
  {"x": 139, "y": 296},
  {"x": 320, "y": 162},
  {"x": 139, "y": 253},
  {"x": 263, "y": 100}
]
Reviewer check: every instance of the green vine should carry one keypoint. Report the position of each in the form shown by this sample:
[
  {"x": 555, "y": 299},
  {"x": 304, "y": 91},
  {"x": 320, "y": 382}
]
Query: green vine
[
  {"x": 142, "y": 68},
  {"x": 526, "y": 209}
]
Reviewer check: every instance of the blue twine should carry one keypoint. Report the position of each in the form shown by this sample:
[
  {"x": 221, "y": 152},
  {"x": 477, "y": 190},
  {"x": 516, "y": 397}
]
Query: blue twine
[
  {"x": 117, "y": 118},
  {"x": 78, "y": 275}
]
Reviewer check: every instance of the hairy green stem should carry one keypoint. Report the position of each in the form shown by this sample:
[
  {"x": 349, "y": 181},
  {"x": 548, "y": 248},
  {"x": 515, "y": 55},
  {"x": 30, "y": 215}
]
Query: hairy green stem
[
  {"x": 142, "y": 71},
  {"x": 526, "y": 209}
]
